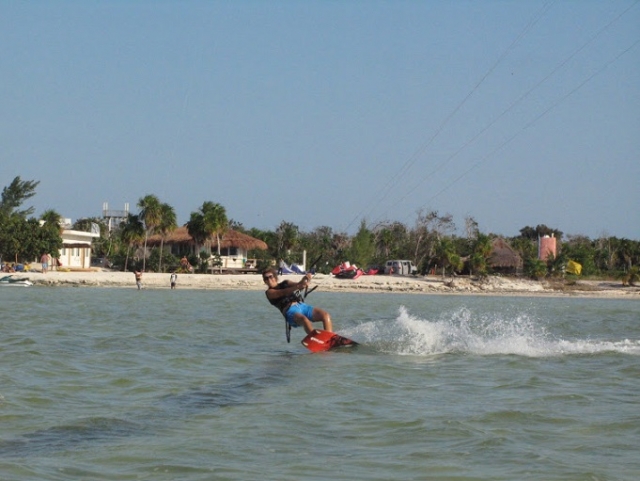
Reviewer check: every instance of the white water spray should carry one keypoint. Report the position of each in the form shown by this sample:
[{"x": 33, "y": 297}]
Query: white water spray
[{"x": 462, "y": 331}]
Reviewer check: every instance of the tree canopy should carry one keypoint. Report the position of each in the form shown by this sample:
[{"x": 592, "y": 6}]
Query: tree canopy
[
  {"x": 431, "y": 243},
  {"x": 24, "y": 239},
  {"x": 15, "y": 194}
]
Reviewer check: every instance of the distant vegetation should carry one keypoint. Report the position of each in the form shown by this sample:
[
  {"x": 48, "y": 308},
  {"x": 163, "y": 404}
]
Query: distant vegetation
[
  {"x": 23, "y": 237},
  {"x": 430, "y": 243}
]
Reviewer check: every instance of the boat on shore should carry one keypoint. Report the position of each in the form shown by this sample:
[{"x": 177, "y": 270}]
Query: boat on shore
[{"x": 15, "y": 282}]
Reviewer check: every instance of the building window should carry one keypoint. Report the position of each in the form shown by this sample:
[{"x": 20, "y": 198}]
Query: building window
[{"x": 229, "y": 252}]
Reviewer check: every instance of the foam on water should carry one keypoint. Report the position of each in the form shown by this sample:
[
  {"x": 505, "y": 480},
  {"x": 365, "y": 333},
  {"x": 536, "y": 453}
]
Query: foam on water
[{"x": 463, "y": 331}]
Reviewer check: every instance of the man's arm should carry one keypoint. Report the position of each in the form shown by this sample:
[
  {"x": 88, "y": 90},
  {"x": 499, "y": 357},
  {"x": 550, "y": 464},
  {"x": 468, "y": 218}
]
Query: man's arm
[{"x": 290, "y": 289}]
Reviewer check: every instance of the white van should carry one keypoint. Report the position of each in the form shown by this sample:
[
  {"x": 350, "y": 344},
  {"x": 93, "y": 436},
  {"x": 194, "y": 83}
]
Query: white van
[{"x": 400, "y": 268}]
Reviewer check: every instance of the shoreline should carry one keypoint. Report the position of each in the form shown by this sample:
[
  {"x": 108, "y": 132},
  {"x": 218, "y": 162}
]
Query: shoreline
[{"x": 491, "y": 286}]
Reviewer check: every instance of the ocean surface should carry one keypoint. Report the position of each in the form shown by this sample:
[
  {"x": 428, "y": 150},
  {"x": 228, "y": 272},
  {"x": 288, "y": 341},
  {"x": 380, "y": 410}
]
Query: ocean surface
[{"x": 120, "y": 384}]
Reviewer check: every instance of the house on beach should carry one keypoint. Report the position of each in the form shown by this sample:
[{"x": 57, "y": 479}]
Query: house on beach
[
  {"x": 504, "y": 258},
  {"x": 234, "y": 247},
  {"x": 76, "y": 249}
]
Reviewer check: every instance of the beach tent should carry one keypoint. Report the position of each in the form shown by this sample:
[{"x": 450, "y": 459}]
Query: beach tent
[
  {"x": 292, "y": 269},
  {"x": 574, "y": 268},
  {"x": 285, "y": 269},
  {"x": 297, "y": 269}
]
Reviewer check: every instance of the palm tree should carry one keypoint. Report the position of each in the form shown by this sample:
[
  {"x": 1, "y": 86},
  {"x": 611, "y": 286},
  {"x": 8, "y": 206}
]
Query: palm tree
[
  {"x": 52, "y": 218},
  {"x": 481, "y": 251},
  {"x": 214, "y": 221},
  {"x": 447, "y": 256},
  {"x": 195, "y": 227},
  {"x": 131, "y": 232},
  {"x": 168, "y": 223},
  {"x": 210, "y": 219},
  {"x": 150, "y": 214},
  {"x": 51, "y": 233}
]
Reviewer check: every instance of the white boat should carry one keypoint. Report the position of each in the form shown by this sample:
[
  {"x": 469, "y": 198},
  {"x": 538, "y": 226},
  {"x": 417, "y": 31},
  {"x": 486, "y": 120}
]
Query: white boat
[{"x": 11, "y": 281}]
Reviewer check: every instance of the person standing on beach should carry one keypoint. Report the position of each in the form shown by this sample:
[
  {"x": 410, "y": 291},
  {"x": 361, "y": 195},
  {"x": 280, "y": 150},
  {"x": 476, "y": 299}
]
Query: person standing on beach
[
  {"x": 44, "y": 261},
  {"x": 138, "y": 275},
  {"x": 173, "y": 279},
  {"x": 286, "y": 297}
]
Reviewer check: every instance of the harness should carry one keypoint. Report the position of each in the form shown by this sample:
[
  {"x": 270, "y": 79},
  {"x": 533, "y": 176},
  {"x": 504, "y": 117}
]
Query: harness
[
  {"x": 300, "y": 298},
  {"x": 297, "y": 297},
  {"x": 283, "y": 304}
]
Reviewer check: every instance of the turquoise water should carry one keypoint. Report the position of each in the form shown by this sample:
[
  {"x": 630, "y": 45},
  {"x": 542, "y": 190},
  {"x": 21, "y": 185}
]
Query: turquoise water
[{"x": 120, "y": 384}]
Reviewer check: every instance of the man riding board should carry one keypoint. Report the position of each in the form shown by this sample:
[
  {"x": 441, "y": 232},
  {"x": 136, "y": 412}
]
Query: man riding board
[{"x": 286, "y": 296}]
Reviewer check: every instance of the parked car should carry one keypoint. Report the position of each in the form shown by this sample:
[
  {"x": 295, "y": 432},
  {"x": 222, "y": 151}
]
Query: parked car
[
  {"x": 100, "y": 262},
  {"x": 400, "y": 268}
]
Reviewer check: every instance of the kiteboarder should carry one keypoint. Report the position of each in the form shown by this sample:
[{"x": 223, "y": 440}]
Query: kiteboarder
[{"x": 287, "y": 297}]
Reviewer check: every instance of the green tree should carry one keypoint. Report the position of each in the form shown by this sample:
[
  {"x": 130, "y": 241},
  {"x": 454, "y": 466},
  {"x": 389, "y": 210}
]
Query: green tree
[
  {"x": 16, "y": 237},
  {"x": 215, "y": 220},
  {"x": 526, "y": 247},
  {"x": 85, "y": 224},
  {"x": 24, "y": 240},
  {"x": 168, "y": 223},
  {"x": 237, "y": 226},
  {"x": 580, "y": 248},
  {"x": 50, "y": 234},
  {"x": 556, "y": 265},
  {"x": 29, "y": 245},
  {"x": 627, "y": 253},
  {"x": 393, "y": 241},
  {"x": 362, "y": 249},
  {"x": 318, "y": 244},
  {"x": 52, "y": 218},
  {"x": 540, "y": 230},
  {"x": 384, "y": 242},
  {"x": 287, "y": 237},
  {"x": 209, "y": 220},
  {"x": 102, "y": 245},
  {"x": 631, "y": 277},
  {"x": 340, "y": 243},
  {"x": 131, "y": 232},
  {"x": 14, "y": 195},
  {"x": 480, "y": 253},
  {"x": 264, "y": 258},
  {"x": 150, "y": 215},
  {"x": 447, "y": 257},
  {"x": 535, "y": 268},
  {"x": 195, "y": 227},
  {"x": 425, "y": 237}
]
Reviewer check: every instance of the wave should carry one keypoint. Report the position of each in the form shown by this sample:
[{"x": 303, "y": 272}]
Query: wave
[{"x": 465, "y": 332}]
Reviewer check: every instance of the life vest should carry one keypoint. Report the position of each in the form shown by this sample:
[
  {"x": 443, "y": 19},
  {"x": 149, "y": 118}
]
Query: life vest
[{"x": 283, "y": 303}]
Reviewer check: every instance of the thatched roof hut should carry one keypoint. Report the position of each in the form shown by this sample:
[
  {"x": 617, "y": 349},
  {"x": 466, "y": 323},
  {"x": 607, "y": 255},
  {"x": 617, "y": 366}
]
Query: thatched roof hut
[
  {"x": 503, "y": 257},
  {"x": 231, "y": 238}
]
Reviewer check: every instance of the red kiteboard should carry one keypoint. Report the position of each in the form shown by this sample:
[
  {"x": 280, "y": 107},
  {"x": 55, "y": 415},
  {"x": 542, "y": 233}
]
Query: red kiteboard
[{"x": 319, "y": 341}]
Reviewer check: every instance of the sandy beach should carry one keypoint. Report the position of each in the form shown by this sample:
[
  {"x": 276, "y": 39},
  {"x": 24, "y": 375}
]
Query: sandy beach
[{"x": 379, "y": 283}]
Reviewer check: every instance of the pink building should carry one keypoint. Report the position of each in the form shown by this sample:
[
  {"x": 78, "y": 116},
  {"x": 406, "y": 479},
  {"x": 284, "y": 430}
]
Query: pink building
[{"x": 546, "y": 247}]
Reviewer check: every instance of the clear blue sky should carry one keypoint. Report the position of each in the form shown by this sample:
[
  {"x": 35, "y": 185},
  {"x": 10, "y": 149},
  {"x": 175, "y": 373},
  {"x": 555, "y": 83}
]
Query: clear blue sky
[{"x": 328, "y": 112}]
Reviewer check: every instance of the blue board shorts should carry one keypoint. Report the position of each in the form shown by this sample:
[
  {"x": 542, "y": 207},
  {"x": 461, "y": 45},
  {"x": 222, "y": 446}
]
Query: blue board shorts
[{"x": 304, "y": 309}]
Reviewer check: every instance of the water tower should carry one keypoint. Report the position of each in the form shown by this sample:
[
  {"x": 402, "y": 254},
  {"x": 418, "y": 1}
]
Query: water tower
[
  {"x": 114, "y": 217},
  {"x": 547, "y": 247}
]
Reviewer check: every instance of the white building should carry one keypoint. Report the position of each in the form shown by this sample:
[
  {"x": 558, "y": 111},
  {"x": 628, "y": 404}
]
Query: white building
[{"x": 76, "y": 249}]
